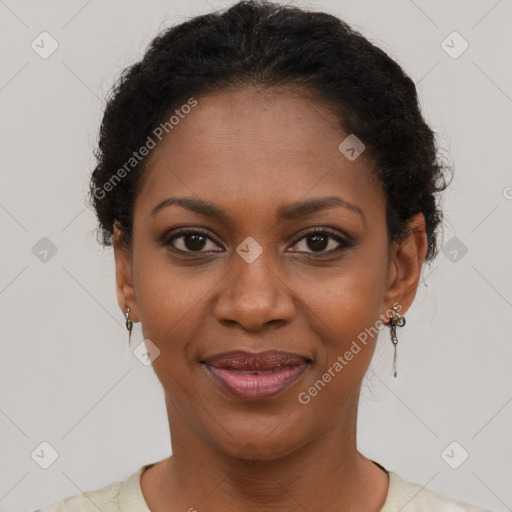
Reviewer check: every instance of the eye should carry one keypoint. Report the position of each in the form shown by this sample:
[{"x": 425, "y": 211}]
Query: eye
[
  {"x": 190, "y": 240},
  {"x": 320, "y": 239},
  {"x": 317, "y": 240}
]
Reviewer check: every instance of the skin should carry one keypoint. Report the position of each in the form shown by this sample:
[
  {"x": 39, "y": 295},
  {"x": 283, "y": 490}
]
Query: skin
[{"x": 250, "y": 152}]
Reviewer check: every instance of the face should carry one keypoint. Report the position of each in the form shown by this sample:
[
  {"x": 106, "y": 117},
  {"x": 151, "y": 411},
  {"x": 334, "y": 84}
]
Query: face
[{"x": 266, "y": 263}]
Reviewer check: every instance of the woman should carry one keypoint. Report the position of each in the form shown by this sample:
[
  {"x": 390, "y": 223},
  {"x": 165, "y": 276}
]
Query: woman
[{"x": 268, "y": 184}]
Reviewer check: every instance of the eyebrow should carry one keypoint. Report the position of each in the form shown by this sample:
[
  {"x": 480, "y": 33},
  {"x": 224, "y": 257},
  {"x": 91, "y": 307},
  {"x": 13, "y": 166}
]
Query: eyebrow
[{"x": 286, "y": 212}]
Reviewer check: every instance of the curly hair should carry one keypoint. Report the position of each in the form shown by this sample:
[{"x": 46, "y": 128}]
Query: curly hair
[{"x": 264, "y": 44}]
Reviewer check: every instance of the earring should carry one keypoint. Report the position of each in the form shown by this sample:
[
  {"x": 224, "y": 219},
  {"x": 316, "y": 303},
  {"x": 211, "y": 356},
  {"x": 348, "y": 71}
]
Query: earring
[
  {"x": 395, "y": 320},
  {"x": 129, "y": 324}
]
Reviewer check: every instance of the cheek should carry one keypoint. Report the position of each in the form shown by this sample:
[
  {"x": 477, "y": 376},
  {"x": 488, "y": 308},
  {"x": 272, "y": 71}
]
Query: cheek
[
  {"x": 171, "y": 303},
  {"x": 347, "y": 319},
  {"x": 348, "y": 301},
  {"x": 348, "y": 327},
  {"x": 168, "y": 311}
]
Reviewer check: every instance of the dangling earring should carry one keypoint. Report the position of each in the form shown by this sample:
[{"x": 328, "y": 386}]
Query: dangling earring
[
  {"x": 395, "y": 321},
  {"x": 129, "y": 325}
]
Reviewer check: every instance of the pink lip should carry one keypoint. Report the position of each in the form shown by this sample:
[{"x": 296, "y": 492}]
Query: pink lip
[{"x": 258, "y": 376}]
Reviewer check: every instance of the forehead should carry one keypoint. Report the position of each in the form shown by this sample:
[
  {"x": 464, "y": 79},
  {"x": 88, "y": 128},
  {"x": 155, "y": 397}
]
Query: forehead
[{"x": 259, "y": 148}]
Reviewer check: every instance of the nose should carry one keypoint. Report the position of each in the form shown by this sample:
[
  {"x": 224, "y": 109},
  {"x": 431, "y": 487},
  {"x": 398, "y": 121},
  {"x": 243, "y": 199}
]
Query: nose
[{"x": 254, "y": 295}]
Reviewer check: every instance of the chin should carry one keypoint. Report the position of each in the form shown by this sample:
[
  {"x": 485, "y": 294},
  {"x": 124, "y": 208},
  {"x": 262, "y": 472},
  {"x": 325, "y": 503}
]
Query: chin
[{"x": 255, "y": 440}]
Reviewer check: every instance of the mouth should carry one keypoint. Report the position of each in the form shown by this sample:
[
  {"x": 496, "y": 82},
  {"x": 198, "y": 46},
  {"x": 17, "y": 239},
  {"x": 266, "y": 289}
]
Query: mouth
[{"x": 256, "y": 376}]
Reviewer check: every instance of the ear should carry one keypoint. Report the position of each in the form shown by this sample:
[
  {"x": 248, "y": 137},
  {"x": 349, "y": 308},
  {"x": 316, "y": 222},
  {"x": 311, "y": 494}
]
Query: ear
[
  {"x": 124, "y": 288},
  {"x": 405, "y": 266}
]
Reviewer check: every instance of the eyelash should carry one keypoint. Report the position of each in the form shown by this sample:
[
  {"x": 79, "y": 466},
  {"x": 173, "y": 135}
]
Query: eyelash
[{"x": 344, "y": 244}]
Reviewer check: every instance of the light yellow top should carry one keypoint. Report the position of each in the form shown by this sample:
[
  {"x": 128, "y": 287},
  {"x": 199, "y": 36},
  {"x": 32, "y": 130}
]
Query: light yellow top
[{"x": 126, "y": 496}]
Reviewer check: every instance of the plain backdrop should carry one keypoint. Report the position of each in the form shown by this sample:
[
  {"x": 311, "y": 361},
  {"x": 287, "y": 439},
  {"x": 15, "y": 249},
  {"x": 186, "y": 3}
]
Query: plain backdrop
[{"x": 67, "y": 377}]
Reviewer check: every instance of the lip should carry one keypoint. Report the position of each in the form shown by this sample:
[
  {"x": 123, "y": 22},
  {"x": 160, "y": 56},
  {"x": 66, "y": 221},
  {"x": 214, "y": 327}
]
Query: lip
[{"x": 256, "y": 376}]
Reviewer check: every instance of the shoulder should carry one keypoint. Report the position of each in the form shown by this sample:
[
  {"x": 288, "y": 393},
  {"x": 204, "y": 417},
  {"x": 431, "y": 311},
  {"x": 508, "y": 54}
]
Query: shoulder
[
  {"x": 105, "y": 499},
  {"x": 412, "y": 497},
  {"x": 115, "y": 497}
]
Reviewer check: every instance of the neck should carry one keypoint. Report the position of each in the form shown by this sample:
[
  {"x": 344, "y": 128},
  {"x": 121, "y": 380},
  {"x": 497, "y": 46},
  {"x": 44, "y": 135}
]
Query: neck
[{"x": 326, "y": 474}]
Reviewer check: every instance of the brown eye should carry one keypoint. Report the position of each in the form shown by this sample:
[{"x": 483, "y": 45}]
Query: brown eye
[
  {"x": 191, "y": 241},
  {"x": 322, "y": 242}
]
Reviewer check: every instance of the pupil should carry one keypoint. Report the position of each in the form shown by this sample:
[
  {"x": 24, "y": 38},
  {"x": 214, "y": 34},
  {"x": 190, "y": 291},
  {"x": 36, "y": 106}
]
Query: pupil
[
  {"x": 319, "y": 242},
  {"x": 197, "y": 242}
]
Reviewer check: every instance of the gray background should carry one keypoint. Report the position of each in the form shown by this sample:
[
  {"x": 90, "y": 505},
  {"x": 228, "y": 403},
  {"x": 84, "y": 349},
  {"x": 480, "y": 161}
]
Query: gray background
[{"x": 67, "y": 377}]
